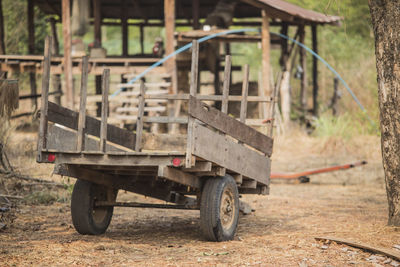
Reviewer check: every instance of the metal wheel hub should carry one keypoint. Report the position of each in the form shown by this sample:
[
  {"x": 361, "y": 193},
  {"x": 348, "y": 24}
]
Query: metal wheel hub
[{"x": 227, "y": 210}]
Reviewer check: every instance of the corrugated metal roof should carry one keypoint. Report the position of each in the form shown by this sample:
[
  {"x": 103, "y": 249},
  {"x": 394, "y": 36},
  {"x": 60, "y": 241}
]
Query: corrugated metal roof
[{"x": 285, "y": 11}]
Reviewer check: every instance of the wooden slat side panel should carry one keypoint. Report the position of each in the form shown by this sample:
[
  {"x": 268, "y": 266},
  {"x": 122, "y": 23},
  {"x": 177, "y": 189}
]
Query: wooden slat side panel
[
  {"x": 230, "y": 126},
  {"x": 69, "y": 118},
  {"x": 65, "y": 140},
  {"x": 233, "y": 156}
]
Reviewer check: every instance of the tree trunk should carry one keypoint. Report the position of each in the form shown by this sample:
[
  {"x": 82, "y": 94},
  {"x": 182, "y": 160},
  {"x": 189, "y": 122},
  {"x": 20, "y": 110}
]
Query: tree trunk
[{"x": 385, "y": 19}]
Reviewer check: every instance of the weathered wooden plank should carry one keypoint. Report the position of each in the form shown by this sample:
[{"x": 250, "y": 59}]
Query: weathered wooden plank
[
  {"x": 245, "y": 92},
  {"x": 230, "y": 126},
  {"x": 238, "y": 178},
  {"x": 227, "y": 81},
  {"x": 262, "y": 190},
  {"x": 179, "y": 176},
  {"x": 139, "y": 121},
  {"x": 249, "y": 184},
  {"x": 42, "y": 142},
  {"x": 201, "y": 166},
  {"x": 193, "y": 91},
  {"x": 117, "y": 159},
  {"x": 69, "y": 118},
  {"x": 104, "y": 109},
  {"x": 80, "y": 144},
  {"x": 233, "y": 156},
  {"x": 63, "y": 139}
]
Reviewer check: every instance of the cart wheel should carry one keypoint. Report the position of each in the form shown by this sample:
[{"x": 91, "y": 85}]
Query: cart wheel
[
  {"x": 219, "y": 208},
  {"x": 88, "y": 219}
]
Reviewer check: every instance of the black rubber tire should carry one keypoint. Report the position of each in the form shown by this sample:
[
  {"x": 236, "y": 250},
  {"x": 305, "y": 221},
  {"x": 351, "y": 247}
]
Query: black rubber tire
[
  {"x": 86, "y": 218},
  {"x": 210, "y": 208}
]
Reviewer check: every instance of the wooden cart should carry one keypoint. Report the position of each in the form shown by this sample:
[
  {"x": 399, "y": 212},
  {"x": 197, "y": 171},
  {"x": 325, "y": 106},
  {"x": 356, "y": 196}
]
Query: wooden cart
[{"x": 206, "y": 169}]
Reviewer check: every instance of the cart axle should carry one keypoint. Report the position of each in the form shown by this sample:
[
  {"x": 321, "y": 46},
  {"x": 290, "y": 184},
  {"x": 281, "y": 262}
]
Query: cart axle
[{"x": 144, "y": 205}]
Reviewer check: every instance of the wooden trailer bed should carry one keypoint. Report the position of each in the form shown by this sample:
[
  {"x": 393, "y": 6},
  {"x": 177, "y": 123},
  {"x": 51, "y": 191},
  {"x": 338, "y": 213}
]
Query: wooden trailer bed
[{"x": 218, "y": 155}]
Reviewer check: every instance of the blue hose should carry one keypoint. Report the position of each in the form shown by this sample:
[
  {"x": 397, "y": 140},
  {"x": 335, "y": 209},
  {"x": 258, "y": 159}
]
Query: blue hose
[{"x": 211, "y": 36}]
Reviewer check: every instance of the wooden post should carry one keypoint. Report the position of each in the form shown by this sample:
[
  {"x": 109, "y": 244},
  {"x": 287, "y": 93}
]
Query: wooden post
[
  {"x": 124, "y": 22},
  {"x": 245, "y": 92},
  {"x": 195, "y": 14},
  {"x": 227, "y": 80},
  {"x": 56, "y": 79},
  {"x": 303, "y": 64},
  {"x": 97, "y": 39},
  {"x": 104, "y": 109},
  {"x": 31, "y": 47},
  {"x": 97, "y": 20},
  {"x": 284, "y": 45},
  {"x": 80, "y": 144},
  {"x": 169, "y": 21},
  {"x": 193, "y": 91},
  {"x": 139, "y": 121},
  {"x": 315, "y": 69},
  {"x": 265, "y": 44},
  {"x": 66, "y": 21},
  {"x": 42, "y": 143},
  {"x": 335, "y": 96},
  {"x": 141, "y": 38}
]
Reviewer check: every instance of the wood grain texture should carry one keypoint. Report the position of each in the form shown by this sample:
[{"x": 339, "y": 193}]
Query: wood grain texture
[
  {"x": 42, "y": 143},
  {"x": 104, "y": 109},
  {"x": 69, "y": 118},
  {"x": 193, "y": 92},
  {"x": 80, "y": 144},
  {"x": 233, "y": 156},
  {"x": 245, "y": 93},
  {"x": 179, "y": 176},
  {"x": 226, "y": 85},
  {"x": 139, "y": 121},
  {"x": 230, "y": 126}
]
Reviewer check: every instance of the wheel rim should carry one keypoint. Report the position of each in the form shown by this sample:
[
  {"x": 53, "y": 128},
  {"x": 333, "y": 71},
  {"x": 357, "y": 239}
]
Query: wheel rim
[{"x": 227, "y": 209}]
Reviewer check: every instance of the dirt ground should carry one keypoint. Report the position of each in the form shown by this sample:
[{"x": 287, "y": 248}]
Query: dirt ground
[{"x": 349, "y": 204}]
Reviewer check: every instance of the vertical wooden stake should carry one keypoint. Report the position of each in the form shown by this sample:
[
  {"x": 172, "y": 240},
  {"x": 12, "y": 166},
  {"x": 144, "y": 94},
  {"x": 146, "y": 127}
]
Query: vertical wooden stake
[
  {"x": 193, "y": 91},
  {"x": 104, "y": 110},
  {"x": 139, "y": 122},
  {"x": 245, "y": 92},
  {"x": 227, "y": 80},
  {"x": 56, "y": 78},
  {"x": 80, "y": 144},
  {"x": 42, "y": 143}
]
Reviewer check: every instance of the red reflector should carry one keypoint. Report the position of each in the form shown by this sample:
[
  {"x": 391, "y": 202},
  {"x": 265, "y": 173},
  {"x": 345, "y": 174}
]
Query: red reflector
[
  {"x": 51, "y": 157},
  {"x": 176, "y": 162}
]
